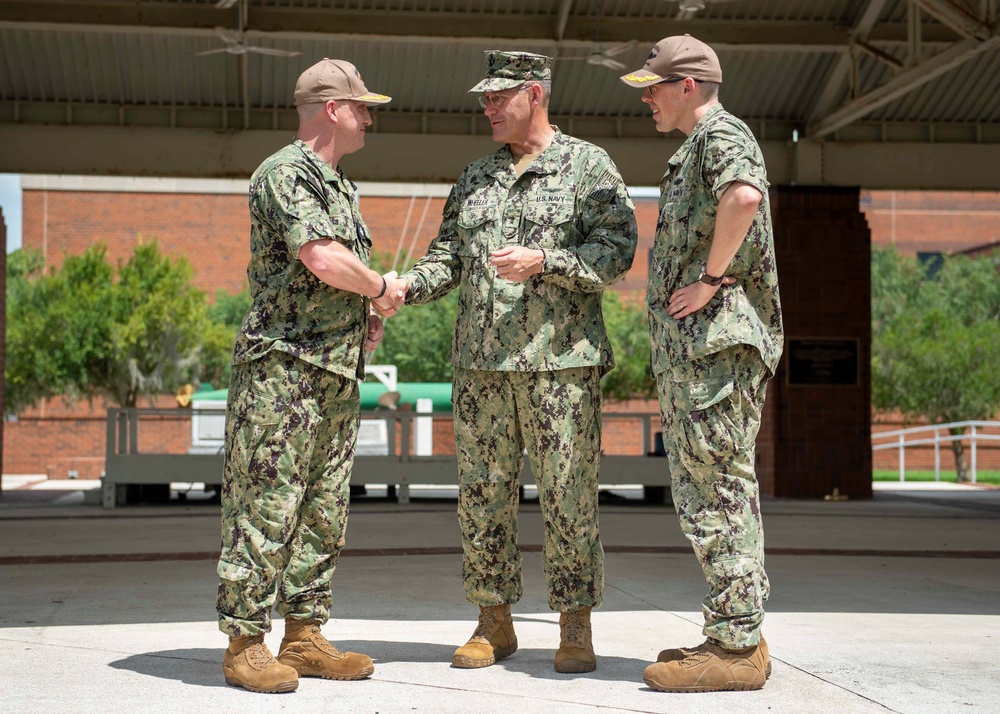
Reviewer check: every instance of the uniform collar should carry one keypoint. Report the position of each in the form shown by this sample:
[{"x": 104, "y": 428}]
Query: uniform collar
[
  {"x": 502, "y": 160},
  {"x": 700, "y": 128},
  {"x": 336, "y": 178}
]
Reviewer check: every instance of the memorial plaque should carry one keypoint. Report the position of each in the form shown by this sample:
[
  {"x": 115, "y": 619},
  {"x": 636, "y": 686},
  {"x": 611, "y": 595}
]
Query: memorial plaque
[{"x": 824, "y": 362}]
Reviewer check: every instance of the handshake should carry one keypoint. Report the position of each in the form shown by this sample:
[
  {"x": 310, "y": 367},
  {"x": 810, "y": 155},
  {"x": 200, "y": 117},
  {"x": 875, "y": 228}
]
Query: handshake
[{"x": 393, "y": 297}]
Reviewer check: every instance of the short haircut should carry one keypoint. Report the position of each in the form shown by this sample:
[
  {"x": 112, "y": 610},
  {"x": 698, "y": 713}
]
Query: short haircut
[
  {"x": 546, "y": 85},
  {"x": 708, "y": 90}
]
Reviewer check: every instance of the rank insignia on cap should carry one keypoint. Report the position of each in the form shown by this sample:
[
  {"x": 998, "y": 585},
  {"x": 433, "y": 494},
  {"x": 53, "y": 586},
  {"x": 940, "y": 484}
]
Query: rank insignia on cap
[{"x": 643, "y": 77}]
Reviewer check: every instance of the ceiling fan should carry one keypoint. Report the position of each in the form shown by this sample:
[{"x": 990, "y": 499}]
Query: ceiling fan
[
  {"x": 235, "y": 45},
  {"x": 233, "y": 39},
  {"x": 604, "y": 57},
  {"x": 686, "y": 9}
]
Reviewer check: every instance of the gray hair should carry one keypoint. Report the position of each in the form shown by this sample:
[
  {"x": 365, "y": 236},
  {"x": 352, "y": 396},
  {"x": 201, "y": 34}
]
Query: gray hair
[{"x": 546, "y": 85}]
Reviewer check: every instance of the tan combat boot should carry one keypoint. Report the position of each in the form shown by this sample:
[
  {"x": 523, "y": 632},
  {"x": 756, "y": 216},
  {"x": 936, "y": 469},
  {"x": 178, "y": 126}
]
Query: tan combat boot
[
  {"x": 576, "y": 650},
  {"x": 710, "y": 668},
  {"x": 311, "y": 655},
  {"x": 672, "y": 655},
  {"x": 493, "y": 639},
  {"x": 248, "y": 663}
]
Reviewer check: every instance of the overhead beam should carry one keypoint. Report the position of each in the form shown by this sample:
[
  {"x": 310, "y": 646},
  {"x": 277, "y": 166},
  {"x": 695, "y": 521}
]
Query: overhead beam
[
  {"x": 471, "y": 27},
  {"x": 880, "y": 55},
  {"x": 564, "y": 8},
  {"x": 841, "y": 71},
  {"x": 441, "y": 158},
  {"x": 956, "y": 18},
  {"x": 903, "y": 83}
]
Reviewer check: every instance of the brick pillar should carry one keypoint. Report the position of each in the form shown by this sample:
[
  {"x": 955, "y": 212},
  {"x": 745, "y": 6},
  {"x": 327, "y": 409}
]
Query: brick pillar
[
  {"x": 3, "y": 329},
  {"x": 819, "y": 403}
]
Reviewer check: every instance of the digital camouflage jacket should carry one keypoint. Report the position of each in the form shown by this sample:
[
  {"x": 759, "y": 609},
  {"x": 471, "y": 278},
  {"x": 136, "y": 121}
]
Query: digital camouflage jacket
[
  {"x": 572, "y": 203},
  {"x": 719, "y": 150},
  {"x": 295, "y": 197}
]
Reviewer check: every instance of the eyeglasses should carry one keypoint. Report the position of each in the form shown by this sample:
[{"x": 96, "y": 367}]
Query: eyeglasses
[
  {"x": 495, "y": 99},
  {"x": 649, "y": 89}
]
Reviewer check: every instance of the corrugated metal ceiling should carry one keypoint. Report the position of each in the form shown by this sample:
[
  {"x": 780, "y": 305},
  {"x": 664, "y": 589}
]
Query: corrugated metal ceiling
[{"x": 156, "y": 65}]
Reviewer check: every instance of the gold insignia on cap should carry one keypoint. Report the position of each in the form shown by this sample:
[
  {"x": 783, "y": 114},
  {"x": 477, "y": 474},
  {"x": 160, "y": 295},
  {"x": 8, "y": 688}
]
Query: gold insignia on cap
[{"x": 642, "y": 77}]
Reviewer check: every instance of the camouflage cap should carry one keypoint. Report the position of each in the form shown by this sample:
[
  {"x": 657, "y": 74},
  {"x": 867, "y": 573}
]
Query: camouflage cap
[
  {"x": 334, "y": 79},
  {"x": 677, "y": 56},
  {"x": 505, "y": 70}
]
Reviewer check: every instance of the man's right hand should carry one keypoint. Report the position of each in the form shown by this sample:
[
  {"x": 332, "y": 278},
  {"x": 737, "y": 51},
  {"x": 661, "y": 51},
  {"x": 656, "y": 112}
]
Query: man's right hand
[{"x": 394, "y": 296}]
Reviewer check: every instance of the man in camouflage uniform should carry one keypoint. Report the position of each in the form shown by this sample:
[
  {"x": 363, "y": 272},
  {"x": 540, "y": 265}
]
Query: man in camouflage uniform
[
  {"x": 532, "y": 234},
  {"x": 715, "y": 327},
  {"x": 293, "y": 410}
]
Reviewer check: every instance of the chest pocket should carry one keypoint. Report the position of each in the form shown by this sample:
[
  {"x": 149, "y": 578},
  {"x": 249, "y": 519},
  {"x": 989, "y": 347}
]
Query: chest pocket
[
  {"x": 548, "y": 221},
  {"x": 475, "y": 224}
]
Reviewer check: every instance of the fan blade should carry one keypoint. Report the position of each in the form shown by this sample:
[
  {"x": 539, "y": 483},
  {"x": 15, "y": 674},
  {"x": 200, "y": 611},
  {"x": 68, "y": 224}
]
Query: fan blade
[
  {"x": 211, "y": 52},
  {"x": 230, "y": 37},
  {"x": 612, "y": 64},
  {"x": 273, "y": 52},
  {"x": 618, "y": 49}
]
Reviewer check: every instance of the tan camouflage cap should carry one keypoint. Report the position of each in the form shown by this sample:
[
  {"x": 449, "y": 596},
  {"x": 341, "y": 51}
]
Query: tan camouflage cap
[
  {"x": 334, "y": 79},
  {"x": 505, "y": 70},
  {"x": 674, "y": 57}
]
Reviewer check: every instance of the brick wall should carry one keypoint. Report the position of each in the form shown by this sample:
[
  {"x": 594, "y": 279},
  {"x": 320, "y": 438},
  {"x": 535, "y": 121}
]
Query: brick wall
[
  {"x": 211, "y": 230},
  {"x": 3, "y": 332},
  {"x": 58, "y": 437},
  {"x": 932, "y": 221}
]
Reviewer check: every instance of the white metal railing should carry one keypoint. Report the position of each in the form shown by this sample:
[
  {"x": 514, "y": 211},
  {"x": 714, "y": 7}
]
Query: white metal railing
[{"x": 900, "y": 439}]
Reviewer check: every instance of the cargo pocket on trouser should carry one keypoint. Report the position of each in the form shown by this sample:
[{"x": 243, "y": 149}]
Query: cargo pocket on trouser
[
  {"x": 244, "y": 610},
  {"x": 706, "y": 433},
  {"x": 734, "y": 607}
]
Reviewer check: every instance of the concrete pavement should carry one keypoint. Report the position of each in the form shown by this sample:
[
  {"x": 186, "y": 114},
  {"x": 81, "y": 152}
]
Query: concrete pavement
[{"x": 891, "y": 604}]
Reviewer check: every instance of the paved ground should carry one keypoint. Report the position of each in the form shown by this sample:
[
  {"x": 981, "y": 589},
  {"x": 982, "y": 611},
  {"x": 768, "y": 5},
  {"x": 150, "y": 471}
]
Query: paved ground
[{"x": 891, "y": 604}]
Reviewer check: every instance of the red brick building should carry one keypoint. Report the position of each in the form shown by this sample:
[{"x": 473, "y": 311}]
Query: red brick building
[{"x": 207, "y": 221}]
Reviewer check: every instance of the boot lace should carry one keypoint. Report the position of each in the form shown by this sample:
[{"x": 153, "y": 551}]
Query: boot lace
[
  {"x": 487, "y": 624},
  {"x": 574, "y": 630},
  {"x": 259, "y": 656}
]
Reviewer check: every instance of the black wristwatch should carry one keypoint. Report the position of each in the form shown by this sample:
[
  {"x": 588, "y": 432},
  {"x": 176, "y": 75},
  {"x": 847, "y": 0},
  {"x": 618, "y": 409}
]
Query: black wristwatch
[{"x": 704, "y": 277}]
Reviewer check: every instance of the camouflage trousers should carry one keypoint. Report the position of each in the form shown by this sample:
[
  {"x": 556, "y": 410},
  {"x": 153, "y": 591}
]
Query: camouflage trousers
[
  {"x": 710, "y": 409},
  {"x": 557, "y": 416},
  {"x": 291, "y": 429}
]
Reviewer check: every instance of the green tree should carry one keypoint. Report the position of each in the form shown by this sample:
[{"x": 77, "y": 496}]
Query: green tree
[
  {"x": 935, "y": 340},
  {"x": 628, "y": 329},
  {"x": 58, "y": 326},
  {"x": 225, "y": 316},
  {"x": 78, "y": 331},
  {"x": 418, "y": 341}
]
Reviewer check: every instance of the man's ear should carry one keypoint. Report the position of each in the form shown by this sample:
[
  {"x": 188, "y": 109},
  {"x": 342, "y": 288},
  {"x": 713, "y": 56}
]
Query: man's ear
[
  {"x": 330, "y": 108},
  {"x": 536, "y": 93}
]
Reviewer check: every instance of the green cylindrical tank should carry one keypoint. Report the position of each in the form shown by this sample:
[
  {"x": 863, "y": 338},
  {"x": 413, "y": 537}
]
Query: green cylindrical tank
[{"x": 409, "y": 393}]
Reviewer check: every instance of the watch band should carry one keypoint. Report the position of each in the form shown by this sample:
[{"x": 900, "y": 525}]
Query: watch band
[{"x": 704, "y": 277}]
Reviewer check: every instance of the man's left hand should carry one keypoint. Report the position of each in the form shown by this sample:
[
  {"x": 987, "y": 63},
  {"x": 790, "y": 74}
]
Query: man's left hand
[
  {"x": 517, "y": 263},
  {"x": 375, "y": 332},
  {"x": 692, "y": 298}
]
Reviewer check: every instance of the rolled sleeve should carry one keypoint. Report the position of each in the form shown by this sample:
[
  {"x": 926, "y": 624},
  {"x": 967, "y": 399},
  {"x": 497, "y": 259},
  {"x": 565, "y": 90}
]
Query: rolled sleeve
[{"x": 732, "y": 156}]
